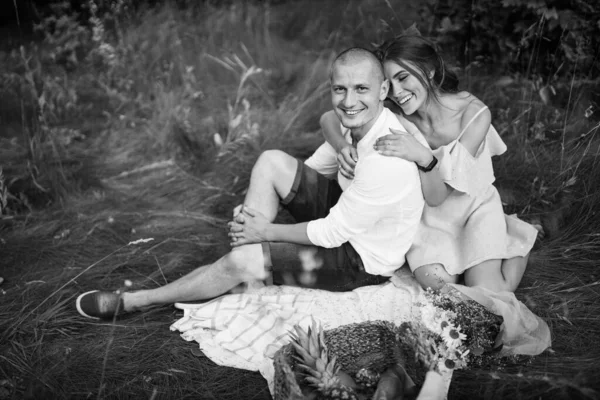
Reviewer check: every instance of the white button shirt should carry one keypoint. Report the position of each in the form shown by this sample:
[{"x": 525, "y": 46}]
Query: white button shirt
[{"x": 379, "y": 210}]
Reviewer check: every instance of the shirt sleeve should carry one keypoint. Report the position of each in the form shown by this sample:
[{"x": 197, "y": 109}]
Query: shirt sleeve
[
  {"x": 467, "y": 173},
  {"x": 324, "y": 160},
  {"x": 381, "y": 185}
]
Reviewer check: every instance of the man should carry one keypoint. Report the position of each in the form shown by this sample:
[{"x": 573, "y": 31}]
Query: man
[{"x": 358, "y": 230}]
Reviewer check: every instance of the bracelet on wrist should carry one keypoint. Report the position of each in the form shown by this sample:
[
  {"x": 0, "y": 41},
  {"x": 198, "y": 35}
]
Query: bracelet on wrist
[{"x": 429, "y": 167}]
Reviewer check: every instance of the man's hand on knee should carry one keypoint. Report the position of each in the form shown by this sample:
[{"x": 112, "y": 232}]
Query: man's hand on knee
[
  {"x": 249, "y": 226},
  {"x": 237, "y": 210}
]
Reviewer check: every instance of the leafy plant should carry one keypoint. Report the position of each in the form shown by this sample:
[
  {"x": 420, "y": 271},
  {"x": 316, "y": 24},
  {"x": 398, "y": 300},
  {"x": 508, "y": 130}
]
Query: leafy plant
[{"x": 549, "y": 38}]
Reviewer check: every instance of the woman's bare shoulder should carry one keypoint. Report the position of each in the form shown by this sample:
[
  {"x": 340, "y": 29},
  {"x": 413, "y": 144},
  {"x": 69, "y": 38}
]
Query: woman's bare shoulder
[
  {"x": 468, "y": 105},
  {"x": 467, "y": 101}
]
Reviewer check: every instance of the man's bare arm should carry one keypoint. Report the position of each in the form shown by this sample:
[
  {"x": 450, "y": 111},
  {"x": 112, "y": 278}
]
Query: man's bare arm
[
  {"x": 294, "y": 233},
  {"x": 250, "y": 226}
]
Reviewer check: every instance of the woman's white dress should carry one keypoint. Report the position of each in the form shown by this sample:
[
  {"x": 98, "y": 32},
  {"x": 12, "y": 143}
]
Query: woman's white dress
[{"x": 470, "y": 225}]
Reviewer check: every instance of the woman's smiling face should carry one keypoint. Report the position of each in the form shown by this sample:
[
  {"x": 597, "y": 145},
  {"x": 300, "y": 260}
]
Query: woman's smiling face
[{"x": 406, "y": 90}]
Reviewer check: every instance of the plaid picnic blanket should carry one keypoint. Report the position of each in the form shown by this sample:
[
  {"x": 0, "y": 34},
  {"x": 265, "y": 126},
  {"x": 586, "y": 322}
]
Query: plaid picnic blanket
[
  {"x": 251, "y": 326},
  {"x": 245, "y": 330}
]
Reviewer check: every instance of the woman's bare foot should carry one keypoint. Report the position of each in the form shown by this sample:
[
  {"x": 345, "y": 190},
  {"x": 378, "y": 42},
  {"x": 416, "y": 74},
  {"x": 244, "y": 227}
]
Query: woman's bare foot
[{"x": 536, "y": 222}]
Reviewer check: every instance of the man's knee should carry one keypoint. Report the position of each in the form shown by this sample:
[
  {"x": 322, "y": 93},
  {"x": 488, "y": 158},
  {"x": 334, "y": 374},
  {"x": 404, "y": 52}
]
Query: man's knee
[
  {"x": 270, "y": 160},
  {"x": 278, "y": 167},
  {"x": 246, "y": 263}
]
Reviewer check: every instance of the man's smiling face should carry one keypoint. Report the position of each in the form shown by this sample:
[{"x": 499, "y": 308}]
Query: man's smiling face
[{"x": 357, "y": 94}]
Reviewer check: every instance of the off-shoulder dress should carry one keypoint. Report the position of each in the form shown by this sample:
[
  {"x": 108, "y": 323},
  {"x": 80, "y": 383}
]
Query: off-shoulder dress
[{"x": 470, "y": 226}]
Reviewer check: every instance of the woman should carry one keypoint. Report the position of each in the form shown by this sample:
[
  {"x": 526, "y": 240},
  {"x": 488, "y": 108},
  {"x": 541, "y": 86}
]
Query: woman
[{"x": 463, "y": 229}]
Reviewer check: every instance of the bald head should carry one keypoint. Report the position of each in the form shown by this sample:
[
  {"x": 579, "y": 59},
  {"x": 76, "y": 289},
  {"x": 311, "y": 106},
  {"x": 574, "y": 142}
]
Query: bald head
[
  {"x": 356, "y": 55},
  {"x": 358, "y": 88}
]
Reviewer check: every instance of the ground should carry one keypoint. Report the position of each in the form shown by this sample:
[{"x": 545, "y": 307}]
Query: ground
[{"x": 96, "y": 156}]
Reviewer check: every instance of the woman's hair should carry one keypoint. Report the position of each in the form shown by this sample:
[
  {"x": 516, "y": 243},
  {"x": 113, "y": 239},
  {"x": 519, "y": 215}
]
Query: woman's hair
[{"x": 423, "y": 54}]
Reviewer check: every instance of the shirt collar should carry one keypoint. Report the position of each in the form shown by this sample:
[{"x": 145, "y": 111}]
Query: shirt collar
[{"x": 377, "y": 126}]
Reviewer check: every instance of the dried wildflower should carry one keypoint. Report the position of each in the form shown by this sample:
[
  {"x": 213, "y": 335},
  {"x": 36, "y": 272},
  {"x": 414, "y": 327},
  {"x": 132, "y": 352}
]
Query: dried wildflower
[
  {"x": 3, "y": 194},
  {"x": 140, "y": 241}
]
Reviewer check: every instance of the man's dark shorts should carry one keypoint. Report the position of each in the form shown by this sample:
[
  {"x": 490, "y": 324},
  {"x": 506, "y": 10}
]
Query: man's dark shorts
[{"x": 337, "y": 269}]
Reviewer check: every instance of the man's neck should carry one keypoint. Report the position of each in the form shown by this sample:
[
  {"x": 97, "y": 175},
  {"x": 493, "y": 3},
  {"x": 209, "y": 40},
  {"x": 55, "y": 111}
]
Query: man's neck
[{"x": 358, "y": 133}]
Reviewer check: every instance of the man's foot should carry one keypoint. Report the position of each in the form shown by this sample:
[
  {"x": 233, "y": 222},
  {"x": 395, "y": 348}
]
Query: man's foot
[{"x": 98, "y": 304}]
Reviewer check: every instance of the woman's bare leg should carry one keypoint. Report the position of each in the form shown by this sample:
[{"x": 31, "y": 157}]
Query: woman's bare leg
[
  {"x": 513, "y": 270},
  {"x": 497, "y": 275},
  {"x": 433, "y": 276},
  {"x": 501, "y": 275}
]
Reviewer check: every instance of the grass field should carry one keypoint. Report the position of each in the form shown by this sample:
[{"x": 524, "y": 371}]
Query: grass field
[{"x": 110, "y": 138}]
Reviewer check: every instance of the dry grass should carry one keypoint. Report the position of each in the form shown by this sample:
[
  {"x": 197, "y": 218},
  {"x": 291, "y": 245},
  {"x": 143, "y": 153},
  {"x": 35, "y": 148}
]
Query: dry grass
[{"x": 147, "y": 166}]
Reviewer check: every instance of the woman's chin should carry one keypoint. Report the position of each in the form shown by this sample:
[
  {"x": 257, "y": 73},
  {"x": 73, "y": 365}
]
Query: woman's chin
[{"x": 408, "y": 109}]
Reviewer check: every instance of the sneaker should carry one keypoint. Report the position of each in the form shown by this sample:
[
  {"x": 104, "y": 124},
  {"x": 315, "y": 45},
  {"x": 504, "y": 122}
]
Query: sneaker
[{"x": 98, "y": 304}]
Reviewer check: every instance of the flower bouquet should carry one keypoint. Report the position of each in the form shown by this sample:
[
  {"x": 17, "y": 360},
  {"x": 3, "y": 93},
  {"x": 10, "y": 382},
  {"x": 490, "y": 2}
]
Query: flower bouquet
[
  {"x": 454, "y": 332},
  {"x": 358, "y": 361}
]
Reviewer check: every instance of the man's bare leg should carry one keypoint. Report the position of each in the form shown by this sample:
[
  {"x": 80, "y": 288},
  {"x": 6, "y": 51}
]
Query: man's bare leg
[
  {"x": 271, "y": 180},
  {"x": 242, "y": 264}
]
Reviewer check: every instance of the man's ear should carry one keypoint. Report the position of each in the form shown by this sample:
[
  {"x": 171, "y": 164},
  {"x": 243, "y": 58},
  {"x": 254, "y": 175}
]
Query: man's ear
[{"x": 385, "y": 88}]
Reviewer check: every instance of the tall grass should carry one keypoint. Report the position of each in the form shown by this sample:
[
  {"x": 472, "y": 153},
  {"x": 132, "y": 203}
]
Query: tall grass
[{"x": 149, "y": 127}]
